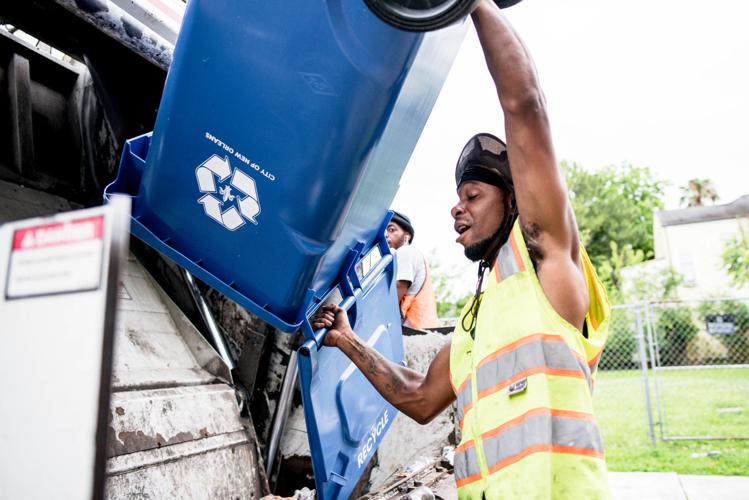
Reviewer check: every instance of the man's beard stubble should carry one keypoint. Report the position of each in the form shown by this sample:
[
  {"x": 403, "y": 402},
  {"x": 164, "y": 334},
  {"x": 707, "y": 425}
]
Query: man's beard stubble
[{"x": 480, "y": 249}]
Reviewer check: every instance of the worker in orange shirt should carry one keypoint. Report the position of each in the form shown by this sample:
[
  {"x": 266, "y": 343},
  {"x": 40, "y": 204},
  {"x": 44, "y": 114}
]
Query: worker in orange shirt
[{"x": 415, "y": 293}]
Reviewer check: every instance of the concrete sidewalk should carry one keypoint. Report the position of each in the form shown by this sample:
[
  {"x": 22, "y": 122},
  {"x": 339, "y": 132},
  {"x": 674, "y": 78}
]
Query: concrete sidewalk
[
  {"x": 672, "y": 486},
  {"x": 624, "y": 486}
]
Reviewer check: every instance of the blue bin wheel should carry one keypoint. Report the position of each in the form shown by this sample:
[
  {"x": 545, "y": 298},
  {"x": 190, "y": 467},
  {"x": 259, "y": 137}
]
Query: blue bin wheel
[{"x": 426, "y": 15}]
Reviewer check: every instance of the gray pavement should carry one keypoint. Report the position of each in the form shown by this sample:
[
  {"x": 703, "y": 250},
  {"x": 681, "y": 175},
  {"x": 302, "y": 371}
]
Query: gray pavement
[
  {"x": 624, "y": 486},
  {"x": 672, "y": 486}
]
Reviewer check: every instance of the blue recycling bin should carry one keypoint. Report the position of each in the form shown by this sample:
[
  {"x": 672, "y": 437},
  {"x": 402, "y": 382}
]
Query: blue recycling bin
[
  {"x": 278, "y": 147},
  {"x": 279, "y": 144}
]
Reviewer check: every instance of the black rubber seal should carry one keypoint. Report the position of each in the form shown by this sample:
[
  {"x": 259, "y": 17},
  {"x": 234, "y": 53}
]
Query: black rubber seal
[{"x": 425, "y": 15}]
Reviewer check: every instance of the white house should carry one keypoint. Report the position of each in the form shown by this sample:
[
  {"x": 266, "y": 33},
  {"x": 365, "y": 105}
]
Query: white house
[{"x": 691, "y": 240}]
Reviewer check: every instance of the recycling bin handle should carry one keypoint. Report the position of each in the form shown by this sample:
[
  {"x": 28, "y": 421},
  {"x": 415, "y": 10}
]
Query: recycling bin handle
[
  {"x": 319, "y": 334},
  {"x": 386, "y": 261}
]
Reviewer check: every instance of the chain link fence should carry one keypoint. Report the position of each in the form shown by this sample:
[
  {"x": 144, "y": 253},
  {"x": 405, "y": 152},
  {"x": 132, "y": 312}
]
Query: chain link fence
[
  {"x": 623, "y": 392},
  {"x": 680, "y": 333},
  {"x": 622, "y": 349},
  {"x": 700, "y": 333},
  {"x": 700, "y": 366},
  {"x": 681, "y": 367}
]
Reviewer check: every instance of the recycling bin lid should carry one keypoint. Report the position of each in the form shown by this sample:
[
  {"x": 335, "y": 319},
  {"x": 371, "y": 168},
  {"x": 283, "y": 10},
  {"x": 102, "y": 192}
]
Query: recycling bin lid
[{"x": 346, "y": 418}]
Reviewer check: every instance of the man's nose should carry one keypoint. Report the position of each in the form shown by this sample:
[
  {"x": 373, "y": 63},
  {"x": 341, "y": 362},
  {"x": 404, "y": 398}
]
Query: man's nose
[{"x": 457, "y": 210}]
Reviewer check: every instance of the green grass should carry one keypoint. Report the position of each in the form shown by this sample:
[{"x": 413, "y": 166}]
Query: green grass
[{"x": 710, "y": 402}]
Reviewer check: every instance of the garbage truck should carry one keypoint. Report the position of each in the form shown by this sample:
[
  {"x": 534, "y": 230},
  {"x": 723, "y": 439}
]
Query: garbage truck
[{"x": 261, "y": 147}]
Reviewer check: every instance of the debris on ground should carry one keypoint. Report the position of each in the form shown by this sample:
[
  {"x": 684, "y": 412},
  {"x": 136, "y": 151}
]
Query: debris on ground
[
  {"x": 303, "y": 494},
  {"x": 423, "y": 479}
]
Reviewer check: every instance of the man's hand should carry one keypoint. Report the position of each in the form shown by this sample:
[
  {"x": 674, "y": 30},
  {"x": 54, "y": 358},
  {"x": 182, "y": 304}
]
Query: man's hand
[
  {"x": 421, "y": 397},
  {"x": 335, "y": 319}
]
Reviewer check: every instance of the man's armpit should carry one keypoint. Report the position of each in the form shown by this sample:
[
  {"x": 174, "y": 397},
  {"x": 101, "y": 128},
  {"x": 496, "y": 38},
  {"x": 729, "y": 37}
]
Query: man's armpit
[{"x": 531, "y": 235}]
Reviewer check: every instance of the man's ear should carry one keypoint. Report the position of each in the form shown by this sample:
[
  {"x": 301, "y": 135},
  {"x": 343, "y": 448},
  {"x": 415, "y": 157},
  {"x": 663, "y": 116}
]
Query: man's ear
[{"x": 512, "y": 205}]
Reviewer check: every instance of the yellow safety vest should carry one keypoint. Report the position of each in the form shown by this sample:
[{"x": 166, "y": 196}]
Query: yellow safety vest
[{"x": 524, "y": 389}]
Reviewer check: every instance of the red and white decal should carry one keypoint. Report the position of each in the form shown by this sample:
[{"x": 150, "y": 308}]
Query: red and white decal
[
  {"x": 31, "y": 238},
  {"x": 57, "y": 257}
]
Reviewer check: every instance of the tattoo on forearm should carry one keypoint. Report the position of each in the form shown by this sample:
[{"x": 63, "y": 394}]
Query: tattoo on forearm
[
  {"x": 369, "y": 360},
  {"x": 395, "y": 385},
  {"x": 374, "y": 368}
]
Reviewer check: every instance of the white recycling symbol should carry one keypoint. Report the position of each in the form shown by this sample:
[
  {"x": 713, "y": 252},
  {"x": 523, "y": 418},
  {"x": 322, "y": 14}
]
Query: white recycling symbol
[{"x": 244, "y": 205}]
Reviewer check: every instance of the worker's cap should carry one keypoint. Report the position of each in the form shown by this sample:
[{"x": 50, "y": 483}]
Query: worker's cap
[
  {"x": 484, "y": 159},
  {"x": 404, "y": 222}
]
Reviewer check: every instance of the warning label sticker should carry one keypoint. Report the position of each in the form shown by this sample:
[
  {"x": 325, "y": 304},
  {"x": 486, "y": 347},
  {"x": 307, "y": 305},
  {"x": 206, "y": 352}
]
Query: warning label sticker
[{"x": 56, "y": 258}]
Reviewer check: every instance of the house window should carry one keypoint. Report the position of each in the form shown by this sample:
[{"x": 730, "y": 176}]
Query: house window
[{"x": 687, "y": 269}]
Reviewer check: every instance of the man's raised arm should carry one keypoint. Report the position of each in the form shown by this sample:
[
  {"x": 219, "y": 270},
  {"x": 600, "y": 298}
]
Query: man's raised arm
[{"x": 540, "y": 191}]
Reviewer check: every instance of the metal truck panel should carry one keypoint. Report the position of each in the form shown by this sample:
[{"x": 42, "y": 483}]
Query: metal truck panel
[
  {"x": 143, "y": 420},
  {"x": 163, "y": 17},
  {"x": 57, "y": 305},
  {"x": 124, "y": 25},
  {"x": 217, "y": 467},
  {"x": 175, "y": 430},
  {"x": 153, "y": 348}
]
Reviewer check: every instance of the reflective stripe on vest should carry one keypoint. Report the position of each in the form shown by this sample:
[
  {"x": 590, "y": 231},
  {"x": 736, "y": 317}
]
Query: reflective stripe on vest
[
  {"x": 466, "y": 462},
  {"x": 464, "y": 399},
  {"x": 538, "y": 353},
  {"x": 593, "y": 365},
  {"x": 541, "y": 430},
  {"x": 508, "y": 261}
]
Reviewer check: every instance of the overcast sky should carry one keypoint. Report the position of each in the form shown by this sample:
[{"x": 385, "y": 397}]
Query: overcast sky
[{"x": 662, "y": 84}]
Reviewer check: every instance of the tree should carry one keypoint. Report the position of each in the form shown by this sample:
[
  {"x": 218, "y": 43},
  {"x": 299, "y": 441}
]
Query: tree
[
  {"x": 614, "y": 210},
  {"x": 697, "y": 191},
  {"x": 610, "y": 269},
  {"x": 449, "y": 304},
  {"x": 675, "y": 328},
  {"x": 659, "y": 285},
  {"x": 736, "y": 260}
]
